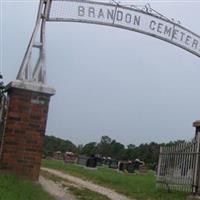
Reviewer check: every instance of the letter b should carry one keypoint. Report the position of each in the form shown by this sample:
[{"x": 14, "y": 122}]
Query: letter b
[{"x": 81, "y": 11}]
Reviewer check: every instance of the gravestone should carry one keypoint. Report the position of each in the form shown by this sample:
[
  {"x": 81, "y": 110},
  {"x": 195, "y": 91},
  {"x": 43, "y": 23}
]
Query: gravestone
[
  {"x": 143, "y": 169},
  {"x": 82, "y": 160},
  {"x": 130, "y": 168},
  {"x": 92, "y": 161},
  {"x": 113, "y": 164}
]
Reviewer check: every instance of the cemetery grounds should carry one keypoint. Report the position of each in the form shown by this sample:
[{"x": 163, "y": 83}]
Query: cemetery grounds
[{"x": 136, "y": 186}]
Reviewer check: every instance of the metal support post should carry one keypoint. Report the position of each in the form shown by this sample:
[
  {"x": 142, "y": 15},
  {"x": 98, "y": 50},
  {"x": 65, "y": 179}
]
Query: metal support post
[
  {"x": 27, "y": 71},
  {"x": 196, "y": 124}
]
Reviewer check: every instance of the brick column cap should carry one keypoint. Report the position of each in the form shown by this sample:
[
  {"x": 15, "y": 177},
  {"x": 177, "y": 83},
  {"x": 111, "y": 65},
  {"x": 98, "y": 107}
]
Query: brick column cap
[
  {"x": 196, "y": 124},
  {"x": 31, "y": 86}
]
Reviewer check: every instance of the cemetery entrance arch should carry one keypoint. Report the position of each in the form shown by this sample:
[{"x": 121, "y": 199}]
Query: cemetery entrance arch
[
  {"x": 29, "y": 95},
  {"x": 143, "y": 20}
]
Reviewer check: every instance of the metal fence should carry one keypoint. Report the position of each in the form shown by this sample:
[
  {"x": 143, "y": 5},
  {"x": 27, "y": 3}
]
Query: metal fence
[{"x": 178, "y": 166}]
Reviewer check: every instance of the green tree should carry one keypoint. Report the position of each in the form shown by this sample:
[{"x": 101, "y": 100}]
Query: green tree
[
  {"x": 116, "y": 150},
  {"x": 89, "y": 149},
  {"x": 52, "y": 144},
  {"x": 104, "y": 147}
]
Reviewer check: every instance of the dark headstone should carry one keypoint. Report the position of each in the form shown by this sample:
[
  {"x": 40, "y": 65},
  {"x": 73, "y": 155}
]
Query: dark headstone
[
  {"x": 130, "y": 168},
  {"x": 92, "y": 162},
  {"x": 121, "y": 166}
]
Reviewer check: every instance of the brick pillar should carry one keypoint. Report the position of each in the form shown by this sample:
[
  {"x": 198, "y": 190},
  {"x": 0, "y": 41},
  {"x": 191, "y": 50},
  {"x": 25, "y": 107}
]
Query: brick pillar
[
  {"x": 25, "y": 126},
  {"x": 196, "y": 124}
]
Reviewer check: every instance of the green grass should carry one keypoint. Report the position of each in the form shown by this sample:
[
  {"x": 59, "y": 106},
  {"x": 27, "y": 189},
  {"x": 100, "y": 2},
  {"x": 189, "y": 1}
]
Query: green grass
[
  {"x": 80, "y": 193},
  {"x": 141, "y": 187},
  {"x": 85, "y": 194},
  {"x": 15, "y": 188}
]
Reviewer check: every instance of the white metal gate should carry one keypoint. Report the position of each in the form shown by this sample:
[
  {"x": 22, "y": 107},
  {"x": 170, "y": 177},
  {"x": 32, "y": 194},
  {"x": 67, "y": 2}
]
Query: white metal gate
[{"x": 178, "y": 167}]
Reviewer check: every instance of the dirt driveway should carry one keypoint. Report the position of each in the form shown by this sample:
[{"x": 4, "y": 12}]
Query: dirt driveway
[{"x": 87, "y": 184}]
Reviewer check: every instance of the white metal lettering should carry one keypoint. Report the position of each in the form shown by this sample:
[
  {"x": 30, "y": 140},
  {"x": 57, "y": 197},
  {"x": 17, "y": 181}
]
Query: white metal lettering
[{"x": 127, "y": 18}]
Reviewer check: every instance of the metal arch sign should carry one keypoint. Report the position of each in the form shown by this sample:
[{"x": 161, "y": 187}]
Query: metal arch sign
[
  {"x": 126, "y": 18},
  {"x": 115, "y": 15}
]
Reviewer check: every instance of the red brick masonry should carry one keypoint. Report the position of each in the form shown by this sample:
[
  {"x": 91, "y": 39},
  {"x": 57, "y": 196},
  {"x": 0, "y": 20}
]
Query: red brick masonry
[{"x": 24, "y": 132}]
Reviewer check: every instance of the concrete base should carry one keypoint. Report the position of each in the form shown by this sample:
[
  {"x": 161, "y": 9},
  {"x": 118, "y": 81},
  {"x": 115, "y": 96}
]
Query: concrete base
[{"x": 22, "y": 146}]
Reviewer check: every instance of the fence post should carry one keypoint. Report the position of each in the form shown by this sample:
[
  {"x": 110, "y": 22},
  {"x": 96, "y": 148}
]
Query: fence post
[
  {"x": 25, "y": 125},
  {"x": 196, "y": 124}
]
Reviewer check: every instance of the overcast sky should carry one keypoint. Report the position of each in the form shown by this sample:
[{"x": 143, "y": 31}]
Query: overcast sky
[{"x": 109, "y": 81}]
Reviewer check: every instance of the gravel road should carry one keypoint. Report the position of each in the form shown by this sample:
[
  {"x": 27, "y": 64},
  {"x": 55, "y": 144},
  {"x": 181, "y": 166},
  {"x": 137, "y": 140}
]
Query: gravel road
[
  {"x": 55, "y": 189},
  {"x": 89, "y": 185}
]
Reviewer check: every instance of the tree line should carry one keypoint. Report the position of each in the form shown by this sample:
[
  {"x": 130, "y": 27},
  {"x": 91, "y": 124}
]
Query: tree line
[{"x": 107, "y": 147}]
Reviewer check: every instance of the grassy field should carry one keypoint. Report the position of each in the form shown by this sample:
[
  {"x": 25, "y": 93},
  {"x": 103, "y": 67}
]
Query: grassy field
[
  {"x": 15, "y": 188},
  {"x": 84, "y": 194},
  {"x": 141, "y": 187}
]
